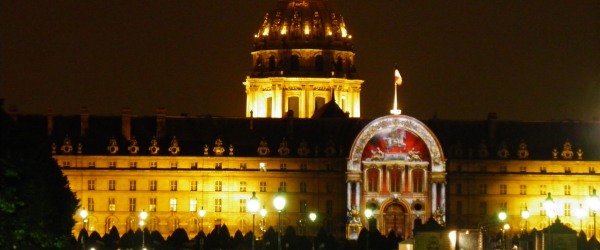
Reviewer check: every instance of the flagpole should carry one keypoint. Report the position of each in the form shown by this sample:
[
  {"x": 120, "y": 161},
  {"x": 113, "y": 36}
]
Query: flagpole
[{"x": 396, "y": 111}]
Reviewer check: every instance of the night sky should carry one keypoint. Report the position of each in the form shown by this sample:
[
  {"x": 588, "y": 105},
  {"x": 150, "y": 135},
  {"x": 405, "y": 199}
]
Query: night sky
[{"x": 524, "y": 60}]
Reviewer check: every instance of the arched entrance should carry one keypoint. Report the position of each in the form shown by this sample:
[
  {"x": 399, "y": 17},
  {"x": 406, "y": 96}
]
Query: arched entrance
[{"x": 395, "y": 218}]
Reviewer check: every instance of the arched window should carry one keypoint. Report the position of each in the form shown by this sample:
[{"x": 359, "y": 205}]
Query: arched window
[
  {"x": 173, "y": 223},
  {"x": 372, "y": 180},
  {"x": 338, "y": 65},
  {"x": 272, "y": 63},
  {"x": 194, "y": 224},
  {"x": 294, "y": 63},
  {"x": 418, "y": 180},
  {"x": 110, "y": 223},
  {"x": 258, "y": 64},
  {"x": 395, "y": 180},
  {"x": 152, "y": 224},
  {"x": 130, "y": 225},
  {"x": 319, "y": 67}
]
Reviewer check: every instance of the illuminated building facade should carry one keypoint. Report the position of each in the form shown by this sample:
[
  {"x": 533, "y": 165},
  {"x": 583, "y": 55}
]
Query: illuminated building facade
[{"x": 302, "y": 58}]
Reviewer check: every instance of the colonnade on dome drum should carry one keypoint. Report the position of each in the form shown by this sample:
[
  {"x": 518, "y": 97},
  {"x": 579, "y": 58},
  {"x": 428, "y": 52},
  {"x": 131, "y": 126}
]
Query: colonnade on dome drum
[{"x": 396, "y": 169}]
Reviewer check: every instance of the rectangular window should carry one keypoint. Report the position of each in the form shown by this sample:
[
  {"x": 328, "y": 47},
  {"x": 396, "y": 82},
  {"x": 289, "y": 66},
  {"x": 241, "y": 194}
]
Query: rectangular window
[
  {"x": 483, "y": 208},
  {"x": 591, "y": 190},
  {"x": 567, "y": 209},
  {"x": 218, "y": 165},
  {"x": 153, "y": 164},
  {"x": 523, "y": 169},
  {"x": 131, "y": 204},
  {"x": 173, "y": 185},
  {"x": 303, "y": 166},
  {"x": 66, "y": 164},
  {"x": 592, "y": 170},
  {"x": 194, "y": 165},
  {"x": 194, "y": 186},
  {"x": 523, "y": 189},
  {"x": 543, "y": 169},
  {"x": 567, "y": 169},
  {"x": 132, "y": 185},
  {"x": 91, "y": 184},
  {"x": 112, "y": 164},
  {"x": 504, "y": 206},
  {"x": 173, "y": 205},
  {"x": 112, "y": 206},
  {"x": 283, "y": 166},
  {"x": 132, "y": 164},
  {"x": 112, "y": 185},
  {"x": 152, "y": 206},
  {"x": 153, "y": 185},
  {"x": 503, "y": 169},
  {"x": 542, "y": 210},
  {"x": 263, "y": 186},
  {"x": 218, "y": 205},
  {"x": 329, "y": 207},
  {"x": 243, "y": 166},
  {"x": 303, "y": 206},
  {"x": 90, "y": 204},
  {"x": 282, "y": 186},
  {"x": 302, "y": 187},
  {"x": 193, "y": 205},
  {"x": 543, "y": 189},
  {"x": 483, "y": 189},
  {"x": 218, "y": 186},
  {"x": 173, "y": 164},
  {"x": 567, "y": 189},
  {"x": 242, "y": 205},
  {"x": 503, "y": 189},
  {"x": 91, "y": 164},
  {"x": 242, "y": 186}
]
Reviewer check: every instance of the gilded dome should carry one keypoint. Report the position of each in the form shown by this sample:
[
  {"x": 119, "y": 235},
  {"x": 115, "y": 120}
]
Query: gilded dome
[{"x": 303, "y": 24}]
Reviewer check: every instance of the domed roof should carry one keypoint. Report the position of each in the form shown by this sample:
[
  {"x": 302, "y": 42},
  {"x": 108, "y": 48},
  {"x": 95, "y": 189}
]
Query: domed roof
[{"x": 303, "y": 24}]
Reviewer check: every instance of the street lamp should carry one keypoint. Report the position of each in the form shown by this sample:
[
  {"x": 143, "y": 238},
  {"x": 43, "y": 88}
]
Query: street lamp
[
  {"x": 368, "y": 214},
  {"x": 84, "y": 214},
  {"x": 502, "y": 216},
  {"x": 549, "y": 207},
  {"x": 143, "y": 216},
  {"x": 201, "y": 213},
  {"x": 279, "y": 203},
  {"x": 313, "y": 216},
  {"x": 504, "y": 228},
  {"x": 525, "y": 215},
  {"x": 253, "y": 206},
  {"x": 580, "y": 213},
  {"x": 263, "y": 214},
  {"x": 594, "y": 203}
]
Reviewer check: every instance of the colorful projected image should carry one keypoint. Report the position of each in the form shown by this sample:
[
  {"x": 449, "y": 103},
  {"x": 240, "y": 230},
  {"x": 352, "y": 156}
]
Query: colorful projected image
[{"x": 396, "y": 144}]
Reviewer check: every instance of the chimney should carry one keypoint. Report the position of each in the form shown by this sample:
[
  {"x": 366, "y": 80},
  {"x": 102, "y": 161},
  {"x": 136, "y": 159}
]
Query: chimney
[
  {"x": 85, "y": 121},
  {"x": 50, "y": 121},
  {"x": 161, "y": 119},
  {"x": 126, "y": 123}
]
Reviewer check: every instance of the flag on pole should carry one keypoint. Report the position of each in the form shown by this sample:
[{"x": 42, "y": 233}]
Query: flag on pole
[{"x": 397, "y": 77}]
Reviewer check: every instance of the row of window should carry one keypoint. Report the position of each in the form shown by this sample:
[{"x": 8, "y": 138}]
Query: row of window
[
  {"x": 194, "y": 165},
  {"x": 193, "y": 205},
  {"x": 567, "y": 209},
  {"x": 218, "y": 187},
  {"x": 483, "y": 189},
  {"x": 523, "y": 169},
  {"x": 398, "y": 180}
]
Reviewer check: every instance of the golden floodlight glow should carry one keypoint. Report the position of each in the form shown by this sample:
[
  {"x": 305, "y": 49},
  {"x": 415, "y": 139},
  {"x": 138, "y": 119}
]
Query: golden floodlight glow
[
  {"x": 306, "y": 29},
  {"x": 344, "y": 32},
  {"x": 266, "y": 31},
  {"x": 284, "y": 30}
]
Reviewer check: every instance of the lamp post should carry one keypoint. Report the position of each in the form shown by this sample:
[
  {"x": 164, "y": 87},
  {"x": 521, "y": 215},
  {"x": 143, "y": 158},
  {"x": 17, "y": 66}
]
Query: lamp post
[
  {"x": 580, "y": 213},
  {"x": 549, "y": 207},
  {"x": 504, "y": 228},
  {"x": 313, "y": 216},
  {"x": 502, "y": 216},
  {"x": 84, "y": 214},
  {"x": 263, "y": 214},
  {"x": 525, "y": 215},
  {"x": 253, "y": 206},
  {"x": 368, "y": 214},
  {"x": 594, "y": 204},
  {"x": 279, "y": 204},
  {"x": 143, "y": 216},
  {"x": 201, "y": 213}
]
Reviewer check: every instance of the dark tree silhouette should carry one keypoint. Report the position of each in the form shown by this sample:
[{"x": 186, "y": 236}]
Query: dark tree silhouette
[
  {"x": 36, "y": 204},
  {"x": 178, "y": 238}
]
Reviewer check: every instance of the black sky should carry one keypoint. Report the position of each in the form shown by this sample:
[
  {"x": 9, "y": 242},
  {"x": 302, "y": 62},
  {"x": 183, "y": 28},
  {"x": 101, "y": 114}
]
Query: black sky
[{"x": 524, "y": 60}]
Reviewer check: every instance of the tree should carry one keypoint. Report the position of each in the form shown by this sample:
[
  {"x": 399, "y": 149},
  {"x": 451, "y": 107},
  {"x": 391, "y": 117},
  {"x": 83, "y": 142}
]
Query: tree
[{"x": 36, "y": 203}]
